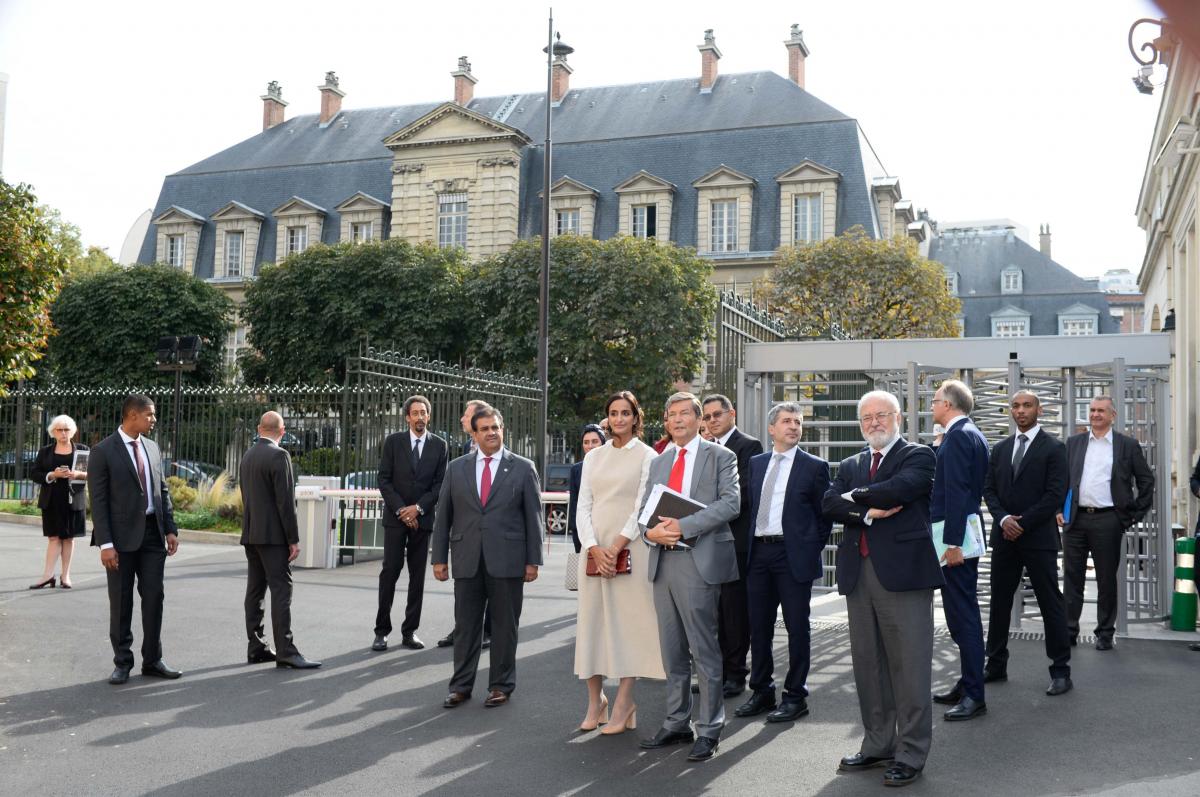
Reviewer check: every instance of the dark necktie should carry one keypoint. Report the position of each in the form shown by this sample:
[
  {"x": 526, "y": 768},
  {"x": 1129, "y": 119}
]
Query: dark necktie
[
  {"x": 876, "y": 458},
  {"x": 675, "y": 481},
  {"x": 485, "y": 484},
  {"x": 1020, "y": 455},
  {"x": 141, "y": 469},
  {"x": 416, "y": 455}
]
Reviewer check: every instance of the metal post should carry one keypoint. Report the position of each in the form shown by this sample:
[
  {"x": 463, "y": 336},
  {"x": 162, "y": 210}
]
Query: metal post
[
  {"x": 1014, "y": 384},
  {"x": 1068, "y": 412},
  {"x": 1166, "y": 541},
  {"x": 543, "y": 364},
  {"x": 914, "y": 403},
  {"x": 18, "y": 455},
  {"x": 1127, "y": 540},
  {"x": 175, "y": 422}
]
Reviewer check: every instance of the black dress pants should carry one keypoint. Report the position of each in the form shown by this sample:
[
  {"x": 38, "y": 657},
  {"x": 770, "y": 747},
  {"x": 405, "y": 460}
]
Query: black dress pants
[
  {"x": 268, "y": 566},
  {"x": 1008, "y": 560},
  {"x": 1100, "y": 533},
  {"x": 141, "y": 570},
  {"x": 503, "y": 598},
  {"x": 733, "y": 627},
  {"x": 400, "y": 545}
]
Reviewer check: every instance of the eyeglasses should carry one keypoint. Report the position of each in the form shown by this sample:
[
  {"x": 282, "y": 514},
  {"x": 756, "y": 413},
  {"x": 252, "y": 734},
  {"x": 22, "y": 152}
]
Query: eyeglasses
[
  {"x": 939, "y": 401},
  {"x": 878, "y": 417}
]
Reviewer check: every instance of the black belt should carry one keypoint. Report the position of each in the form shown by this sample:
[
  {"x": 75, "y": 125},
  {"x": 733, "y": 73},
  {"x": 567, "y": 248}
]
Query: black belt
[
  {"x": 673, "y": 549},
  {"x": 1095, "y": 510},
  {"x": 772, "y": 539}
]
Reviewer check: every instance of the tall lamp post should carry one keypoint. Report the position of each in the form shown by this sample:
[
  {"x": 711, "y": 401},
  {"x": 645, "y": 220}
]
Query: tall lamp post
[
  {"x": 177, "y": 354},
  {"x": 554, "y": 49}
]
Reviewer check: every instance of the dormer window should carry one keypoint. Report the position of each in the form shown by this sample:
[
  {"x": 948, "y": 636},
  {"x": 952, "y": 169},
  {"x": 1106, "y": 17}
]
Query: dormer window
[
  {"x": 452, "y": 220},
  {"x": 234, "y": 246},
  {"x": 175, "y": 251},
  {"x": 644, "y": 203},
  {"x": 567, "y": 221},
  {"x": 1011, "y": 280},
  {"x": 807, "y": 217},
  {"x": 644, "y": 221}
]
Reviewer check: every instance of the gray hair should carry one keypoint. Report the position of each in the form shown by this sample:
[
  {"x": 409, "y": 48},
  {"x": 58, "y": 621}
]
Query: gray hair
[
  {"x": 878, "y": 394},
  {"x": 62, "y": 420},
  {"x": 719, "y": 398},
  {"x": 784, "y": 406},
  {"x": 683, "y": 395},
  {"x": 1112, "y": 405},
  {"x": 958, "y": 396}
]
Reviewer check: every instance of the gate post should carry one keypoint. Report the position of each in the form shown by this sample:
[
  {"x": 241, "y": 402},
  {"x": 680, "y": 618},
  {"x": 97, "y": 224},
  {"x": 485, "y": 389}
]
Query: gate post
[
  {"x": 914, "y": 403},
  {"x": 1068, "y": 415},
  {"x": 1014, "y": 384},
  {"x": 1162, "y": 496}
]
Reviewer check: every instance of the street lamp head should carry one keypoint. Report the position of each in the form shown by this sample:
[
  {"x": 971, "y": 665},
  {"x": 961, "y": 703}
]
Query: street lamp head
[{"x": 561, "y": 48}]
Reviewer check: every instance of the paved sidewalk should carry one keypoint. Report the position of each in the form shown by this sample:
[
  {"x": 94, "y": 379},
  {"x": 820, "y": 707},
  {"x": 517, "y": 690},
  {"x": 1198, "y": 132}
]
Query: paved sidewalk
[{"x": 372, "y": 723}]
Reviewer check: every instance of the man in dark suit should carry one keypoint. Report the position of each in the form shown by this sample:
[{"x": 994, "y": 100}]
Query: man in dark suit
[
  {"x": 1112, "y": 488},
  {"x": 786, "y": 488},
  {"x": 721, "y": 419},
  {"x": 271, "y": 538},
  {"x": 135, "y": 529},
  {"x": 410, "y": 479},
  {"x": 1025, "y": 487},
  {"x": 489, "y": 519},
  {"x": 962, "y": 464},
  {"x": 887, "y": 569}
]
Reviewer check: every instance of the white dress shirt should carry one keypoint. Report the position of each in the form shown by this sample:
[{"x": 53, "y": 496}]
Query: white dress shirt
[
  {"x": 126, "y": 439},
  {"x": 1031, "y": 434},
  {"x": 479, "y": 456},
  {"x": 417, "y": 442},
  {"x": 724, "y": 439},
  {"x": 775, "y": 519},
  {"x": 1095, "y": 485},
  {"x": 689, "y": 461}
]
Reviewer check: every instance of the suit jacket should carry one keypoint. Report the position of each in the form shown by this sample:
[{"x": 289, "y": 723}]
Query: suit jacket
[
  {"x": 714, "y": 484},
  {"x": 901, "y": 545},
  {"x": 42, "y": 465},
  {"x": 958, "y": 477},
  {"x": 119, "y": 499},
  {"x": 573, "y": 485},
  {"x": 805, "y": 529},
  {"x": 268, "y": 496},
  {"x": 402, "y": 487},
  {"x": 746, "y": 448},
  {"x": 507, "y": 533},
  {"x": 1035, "y": 492},
  {"x": 1195, "y": 483},
  {"x": 1129, "y": 468}
]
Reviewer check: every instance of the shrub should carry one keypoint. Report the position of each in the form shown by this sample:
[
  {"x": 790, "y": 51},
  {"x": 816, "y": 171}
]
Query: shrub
[
  {"x": 320, "y": 462},
  {"x": 182, "y": 496}
]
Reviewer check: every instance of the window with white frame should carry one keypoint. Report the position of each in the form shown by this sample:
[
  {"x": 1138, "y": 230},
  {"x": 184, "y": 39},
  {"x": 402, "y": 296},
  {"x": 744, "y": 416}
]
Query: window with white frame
[
  {"x": 1077, "y": 326},
  {"x": 806, "y": 218},
  {"x": 723, "y": 225},
  {"x": 362, "y": 231},
  {"x": 644, "y": 221},
  {"x": 233, "y": 253},
  {"x": 952, "y": 283},
  {"x": 1010, "y": 328},
  {"x": 235, "y": 343},
  {"x": 297, "y": 239},
  {"x": 452, "y": 220},
  {"x": 567, "y": 221},
  {"x": 1010, "y": 280},
  {"x": 175, "y": 251}
]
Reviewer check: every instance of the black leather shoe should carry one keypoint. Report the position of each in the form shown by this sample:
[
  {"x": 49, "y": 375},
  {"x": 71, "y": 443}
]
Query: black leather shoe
[
  {"x": 1104, "y": 643},
  {"x": 455, "y": 699},
  {"x": 412, "y": 643},
  {"x": 858, "y": 761},
  {"x": 992, "y": 676},
  {"x": 665, "y": 738},
  {"x": 757, "y": 704},
  {"x": 1059, "y": 686},
  {"x": 789, "y": 711},
  {"x": 900, "y": 775},
  {"x": 44, "y": 584},
  {"x": 951, "y": 698},
  {"x": 1194, "y": 646},
  {"x": 119, "y": 676},
  {"x": 733, "y": 688},
  {"x": 967, "y": 709},
  {"x": 261, "y": 657},
  {"x": 296, "y": 662},
  {"x": 695, "y": 689},
  {"x": 447, "y": 641},
  {"x": 704, "y": 749},
  {"x": 487, "y": 643},
  {"x": 159, "y": 669},
  {"x": 380, "y": 643}
]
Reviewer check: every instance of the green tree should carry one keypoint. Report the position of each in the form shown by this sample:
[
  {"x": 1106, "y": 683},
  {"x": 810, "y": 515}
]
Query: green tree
[
  {"x": 871, "y": 288},
  {"x": 109, "y": 324},
  {"x": 95, "y": 261},
  {"x": 626, "y": 313},
  {"x": 31, "y": 270},
  {"x": 308, "y": 313}
]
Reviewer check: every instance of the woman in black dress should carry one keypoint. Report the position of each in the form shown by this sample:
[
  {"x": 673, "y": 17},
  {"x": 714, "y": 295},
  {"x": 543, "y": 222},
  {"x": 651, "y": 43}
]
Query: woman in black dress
[{"x": 61, "y": 502}]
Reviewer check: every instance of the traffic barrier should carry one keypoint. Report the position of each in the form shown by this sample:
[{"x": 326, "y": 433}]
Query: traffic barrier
[{"x": 1183, "y": 601}]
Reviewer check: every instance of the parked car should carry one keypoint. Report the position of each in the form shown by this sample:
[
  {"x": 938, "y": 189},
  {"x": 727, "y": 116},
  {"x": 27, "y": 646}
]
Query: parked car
[
  {"x": 558, "y": 477},
  {"x": 554, "y": 504},
  {"x": 7, "y": 471},
  {"x": 362, "y": 480},
  {"x": 193, "y": 472}
]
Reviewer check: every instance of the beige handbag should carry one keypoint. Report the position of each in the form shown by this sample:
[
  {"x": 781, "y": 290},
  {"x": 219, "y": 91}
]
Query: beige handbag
[{"x": 572, "y": 575}]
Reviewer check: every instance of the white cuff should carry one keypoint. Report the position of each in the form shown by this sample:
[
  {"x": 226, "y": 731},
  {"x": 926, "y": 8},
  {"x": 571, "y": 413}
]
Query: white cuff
[
  {"x": 868, "y": 520},
  {"x": 48, "y": 475},
  {"x": 106, "y": 546}
]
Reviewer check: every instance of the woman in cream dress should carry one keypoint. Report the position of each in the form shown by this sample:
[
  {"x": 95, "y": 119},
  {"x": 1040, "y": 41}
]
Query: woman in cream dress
[{"x": 616, "y": 633}]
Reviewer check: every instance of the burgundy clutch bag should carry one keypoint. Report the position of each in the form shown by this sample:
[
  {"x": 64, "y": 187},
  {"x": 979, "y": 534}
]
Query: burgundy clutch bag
[{"x": 624, "y": 566}]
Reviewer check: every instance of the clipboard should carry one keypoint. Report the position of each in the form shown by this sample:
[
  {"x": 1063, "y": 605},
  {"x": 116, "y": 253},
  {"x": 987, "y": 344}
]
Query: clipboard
[
  {"x": 671, "y": 503},
  {"x": 80, "y": 462}
]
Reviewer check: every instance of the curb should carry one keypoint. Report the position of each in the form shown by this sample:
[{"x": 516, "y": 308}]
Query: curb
[{"x": 185, "y": 535}]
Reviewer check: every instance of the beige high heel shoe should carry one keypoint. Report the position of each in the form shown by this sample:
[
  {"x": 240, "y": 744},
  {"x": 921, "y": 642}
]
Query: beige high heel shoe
[
  {"x": 601, "y": 718},
  {"x": 614, "y": 728}
]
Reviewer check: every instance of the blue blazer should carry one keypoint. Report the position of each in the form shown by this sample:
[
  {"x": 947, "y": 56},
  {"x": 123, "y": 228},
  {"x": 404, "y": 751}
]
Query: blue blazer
[
  {"x": 573, "y": 485},
  {"x": 805, "y": 531},
  {"x": 962, "y": 469}
]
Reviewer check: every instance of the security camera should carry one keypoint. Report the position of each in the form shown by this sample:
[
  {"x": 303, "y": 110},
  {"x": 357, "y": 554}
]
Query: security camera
[{"x": 1142, "y": 80}]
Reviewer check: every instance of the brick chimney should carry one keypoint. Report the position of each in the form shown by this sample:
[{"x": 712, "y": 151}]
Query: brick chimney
[
  {"x": 331, "y": 98},
  {"x": 273, "y": 105},
  {"x": 464, "y": 82},
  {"x": 797, "y": 52},
  {"x": 1044, "y": 239},
  {"x": 709, "y": 55},
  {"x": 560, "y": 79}
]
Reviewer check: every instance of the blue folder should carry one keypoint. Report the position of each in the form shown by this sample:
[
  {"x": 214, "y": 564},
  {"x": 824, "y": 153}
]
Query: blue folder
[{"x": 1066, "y": 513}]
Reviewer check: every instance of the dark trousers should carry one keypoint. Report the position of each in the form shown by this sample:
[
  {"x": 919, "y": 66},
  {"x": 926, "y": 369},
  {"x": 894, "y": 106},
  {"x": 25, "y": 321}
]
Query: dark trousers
[
  {"x": 143, "y": 567},
  {"x": 733, "y": 626},
  {"x": 1102, "y": 534},
  {"x": 1008, "y": 561},
  {"x": 961, "y": 604},
  {"x": 769, "y": 585},
  {"x": 267, "y": 566},
  {"x": 400, "y": 545},
  {"x": 502, "y": 596}
]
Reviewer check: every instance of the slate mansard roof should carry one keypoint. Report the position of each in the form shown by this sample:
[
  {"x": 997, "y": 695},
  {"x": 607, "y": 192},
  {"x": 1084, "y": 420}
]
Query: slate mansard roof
[
  {"x": 980, "y": 257},
  {"x": 758, "y": 123}
]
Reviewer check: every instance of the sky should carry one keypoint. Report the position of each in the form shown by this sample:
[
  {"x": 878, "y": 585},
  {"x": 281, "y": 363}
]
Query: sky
[{"x": 1021, "y": 110}]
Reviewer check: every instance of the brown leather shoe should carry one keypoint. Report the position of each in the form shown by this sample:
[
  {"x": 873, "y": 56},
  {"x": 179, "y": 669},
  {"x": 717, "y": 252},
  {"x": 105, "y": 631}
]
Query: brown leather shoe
[
  {"x": 455, "y": 699},
  {"x": 495, "y": 698}
]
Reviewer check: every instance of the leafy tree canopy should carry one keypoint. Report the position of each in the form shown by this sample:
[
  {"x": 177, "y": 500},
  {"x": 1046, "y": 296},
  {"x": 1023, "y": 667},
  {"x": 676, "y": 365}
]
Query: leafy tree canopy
[{"x": 96, "y": 260}]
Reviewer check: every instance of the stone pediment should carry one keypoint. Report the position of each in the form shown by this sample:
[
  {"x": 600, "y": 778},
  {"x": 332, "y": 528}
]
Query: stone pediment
[
  {"x": 644, "y": 181},
  {"x": 451, "y": 123},
  {"x": 1079, "y": 308},
  {"x": 807, "y": 170},
  {"x": 177, "y": 214},
  {"x": 236, "y": 210},
  {"x": 1010, "y": 311},
  {"x": 723, "y": 176},
  {"x": 566, "y": 186},
  {"x": 297, "y": 205},
  {"x": 360, "y": 201}
]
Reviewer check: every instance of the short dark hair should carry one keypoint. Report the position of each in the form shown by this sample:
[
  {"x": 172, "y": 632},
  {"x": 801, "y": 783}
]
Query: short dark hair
[
  {"x": 720, "y": 398},
  {"x": 639, "y": 417},
  {"x": 411, "y": 400},
  {"x": 594, "y": 428},
  {"x": 487, "y": 411},
  {"x": 135, "y": 402}
]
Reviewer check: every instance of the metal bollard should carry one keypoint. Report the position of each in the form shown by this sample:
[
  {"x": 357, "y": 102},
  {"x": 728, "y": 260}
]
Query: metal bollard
[{"x": 1183, "y": 601}]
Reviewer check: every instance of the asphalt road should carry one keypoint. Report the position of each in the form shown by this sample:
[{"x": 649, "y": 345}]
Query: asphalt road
[{"x": 369, "y": 723}]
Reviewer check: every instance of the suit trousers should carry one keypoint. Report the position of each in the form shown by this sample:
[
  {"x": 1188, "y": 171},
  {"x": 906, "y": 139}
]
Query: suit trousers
[
  {"x": 268, "y": 566},
  {"x": 143, "y": 568},
  {"x": 891, "y": 648},
  {"x": 1007, "y": 563},
  {"x": 1102, "y": 534},
  {"x": 960, "y": 601},
  {"x": 400, "y": 545},
  {"x": 734, "y": 624},
  {"x": 687, "y": 609},
  {"x": 503, "y": 597},
  {"x": 770, "y": 584}
]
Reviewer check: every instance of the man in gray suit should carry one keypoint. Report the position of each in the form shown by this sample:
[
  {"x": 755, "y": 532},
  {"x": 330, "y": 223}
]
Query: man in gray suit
[
  {"x": 272, "y": 541},
  {"x": 690, "y": 558},
  {"x": 490, "y": 517}
]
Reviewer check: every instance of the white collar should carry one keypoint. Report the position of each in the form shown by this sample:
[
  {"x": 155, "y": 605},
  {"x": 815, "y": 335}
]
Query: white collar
[
  {"x": 692, "y": 447},
  {"x": 723, "y": 440},
  {"x": 1032, "y": 433},
  {"x": 127, "y": 438},
  {"x": 956, "y": 419},
  {"x": 417, "y": 438},
  {"x": 1107, "y": 437},
  {"x": 479, "y": 455},
  {"x": 790, "y": 454},
  {"x": 888, "y": 448}
]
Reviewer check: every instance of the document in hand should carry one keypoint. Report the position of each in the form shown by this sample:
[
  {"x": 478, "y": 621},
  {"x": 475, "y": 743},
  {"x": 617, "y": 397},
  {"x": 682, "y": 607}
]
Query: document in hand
[
  {"x": 665, "y": 502},
  {"x": 80, "y": 462},
  {"x": 972, "y": 544}
]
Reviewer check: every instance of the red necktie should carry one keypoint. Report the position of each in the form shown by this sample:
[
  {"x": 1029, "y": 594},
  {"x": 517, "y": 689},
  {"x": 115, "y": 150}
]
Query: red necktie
[
  {"x": 141, "y": 469},
  {"x": 675, "y": 482},
  {"x": 485, "y": 484},
  {"x": 876, "y": 458}
]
